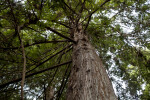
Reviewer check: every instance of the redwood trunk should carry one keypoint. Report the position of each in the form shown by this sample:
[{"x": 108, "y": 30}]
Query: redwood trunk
[{"x": 88, "y": 80}]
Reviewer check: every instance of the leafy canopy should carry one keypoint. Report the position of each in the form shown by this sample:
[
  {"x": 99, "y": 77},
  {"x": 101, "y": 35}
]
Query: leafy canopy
[{"x": 118, "y": 29}]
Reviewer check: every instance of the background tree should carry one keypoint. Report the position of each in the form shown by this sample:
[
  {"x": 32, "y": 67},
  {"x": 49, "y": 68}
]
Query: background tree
[{"x": 118, "y": 29}]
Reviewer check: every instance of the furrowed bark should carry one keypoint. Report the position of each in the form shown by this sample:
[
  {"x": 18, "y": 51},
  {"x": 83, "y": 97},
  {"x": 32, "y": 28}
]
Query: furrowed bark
[{"x": 88, "y": 79}]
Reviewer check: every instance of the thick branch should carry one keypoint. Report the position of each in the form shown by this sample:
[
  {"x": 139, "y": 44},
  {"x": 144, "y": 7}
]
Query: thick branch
[
  {"x": 32, "y": 74},
  {"x": 89, "y": 19},
  {"x": 48, "y": 28},
  {"x": 58, "y": 22}
]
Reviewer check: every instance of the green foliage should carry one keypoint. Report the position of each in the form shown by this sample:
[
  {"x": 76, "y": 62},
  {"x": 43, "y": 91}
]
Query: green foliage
[{"x": 119, "y": 31}]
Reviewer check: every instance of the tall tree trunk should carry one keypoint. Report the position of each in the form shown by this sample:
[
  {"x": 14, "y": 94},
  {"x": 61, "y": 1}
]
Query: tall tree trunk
[{"x": 88, "y": 80}]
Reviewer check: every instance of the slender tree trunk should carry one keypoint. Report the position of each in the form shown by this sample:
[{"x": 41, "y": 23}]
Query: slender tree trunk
[
  {"x": 88, "y": 80},
  {"x": 24, "y": 63},
  {"x": 49, "y": 93}
]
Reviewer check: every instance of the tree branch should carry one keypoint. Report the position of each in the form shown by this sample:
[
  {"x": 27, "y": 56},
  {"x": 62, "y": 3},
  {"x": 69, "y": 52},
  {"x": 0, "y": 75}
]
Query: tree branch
[
  {"x": 12, "y": 12},
  {"x": 63, "y": 83},
  {"x": 17, "y": 32},
  {"x": 69, "y": 7},
  {"x": 32, "y": 74},
  {"x": 49, "y": 58},
  {"x": 62, "y": 24},
  {"x": 24, "y": 64},
  {"x": 41, "y": 42},
  {"x": 81, "y": 10},
  {"x": 48, "y": 28},
  {"x": 90, "y": 15}
]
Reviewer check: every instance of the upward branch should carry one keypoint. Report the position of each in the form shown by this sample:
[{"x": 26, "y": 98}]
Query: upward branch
[
  {"x": 69, "y": 7},
  {"x": 90, "y": 15}
]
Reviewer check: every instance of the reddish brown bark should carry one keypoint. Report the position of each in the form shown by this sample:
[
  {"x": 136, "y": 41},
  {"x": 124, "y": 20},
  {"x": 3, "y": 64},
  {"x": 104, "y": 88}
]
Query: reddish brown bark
[{"x": 88, "y": 80}]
